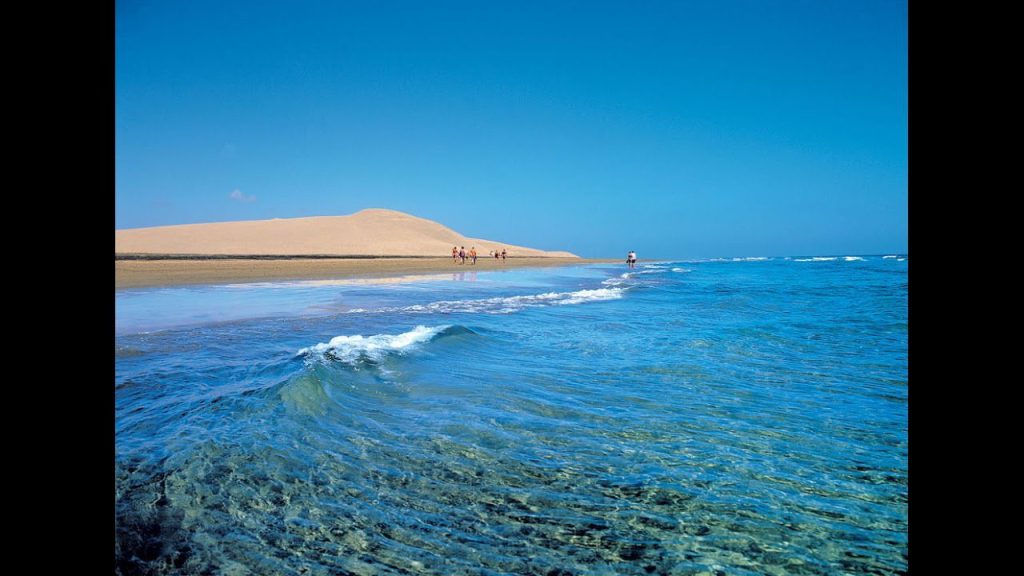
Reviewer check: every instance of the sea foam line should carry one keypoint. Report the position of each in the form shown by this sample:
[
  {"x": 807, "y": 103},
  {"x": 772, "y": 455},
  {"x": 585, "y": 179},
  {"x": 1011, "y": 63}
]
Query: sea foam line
[
  {"x": 738, "y": 259},
  {"x": 508, "y": 304}
]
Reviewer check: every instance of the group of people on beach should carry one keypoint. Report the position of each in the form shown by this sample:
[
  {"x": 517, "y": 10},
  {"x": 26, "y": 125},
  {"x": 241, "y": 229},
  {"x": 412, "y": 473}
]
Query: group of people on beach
[
  {"x": 631, "y": 259},
  {"x": 461, "y": 254}
]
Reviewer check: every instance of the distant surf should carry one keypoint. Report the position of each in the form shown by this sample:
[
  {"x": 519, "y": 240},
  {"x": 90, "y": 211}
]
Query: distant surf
[{"x": 505, "y": 304}]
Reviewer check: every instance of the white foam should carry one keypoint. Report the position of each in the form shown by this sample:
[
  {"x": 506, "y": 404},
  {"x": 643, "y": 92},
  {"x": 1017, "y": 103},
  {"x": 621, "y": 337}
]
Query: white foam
[
  {"x": 627, "y": 275},
  {"x": 817, "y": 259},
  {"x": 350, "y": 349},
  {"x": 595, "y": 295},
  {"x": 853, "y": 258},
  {"x": 681, "y": 270},
  {"x": 515, "y": 303},
  {"x": 622, "y": 277},
  {"x": 509, "y": 304},
  {"x": 744, "y": 259},
  {"x": 892, "y": 256},
  {"x": 901, "y": 259}
]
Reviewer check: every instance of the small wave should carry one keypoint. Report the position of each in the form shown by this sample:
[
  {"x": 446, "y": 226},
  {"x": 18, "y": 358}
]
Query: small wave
[
  {"x": 621, "y": 279},
  {"x": 595, "y": 295},
  {"x": 352, "y": 349},
  {"x": 744, "y": 259},
  {"x": 515, "y": 303},
  {"x": 901, "y": 259},
  {"x": 891, "y": 256},
  {"x": 127, "y": 352},
  {"x": 853, "y": 258},
  {"x": 817, "y": 259},
  {"x": 509, "y": 304},
  {"x": 681, "y": 270}
]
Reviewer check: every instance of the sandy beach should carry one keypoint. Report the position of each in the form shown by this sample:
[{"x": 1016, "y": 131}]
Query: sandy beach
[
  {"x": 148, "y": 273},
  {"x": 372, "y": 243}
]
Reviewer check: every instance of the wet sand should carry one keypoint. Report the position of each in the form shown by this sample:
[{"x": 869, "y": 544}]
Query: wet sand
[{"x": 147, "y": 273}]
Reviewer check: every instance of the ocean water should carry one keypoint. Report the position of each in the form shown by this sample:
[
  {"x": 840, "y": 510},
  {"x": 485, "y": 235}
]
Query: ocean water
[{"x": 734, "y": 416}]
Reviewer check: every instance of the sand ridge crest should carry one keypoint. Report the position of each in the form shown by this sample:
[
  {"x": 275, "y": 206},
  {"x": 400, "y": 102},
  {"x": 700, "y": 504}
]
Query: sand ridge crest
[{"x": 369, "y": 232}]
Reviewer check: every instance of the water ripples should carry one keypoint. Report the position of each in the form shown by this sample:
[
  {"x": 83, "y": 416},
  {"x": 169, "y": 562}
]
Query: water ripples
[{"x": 717, "y": 421}]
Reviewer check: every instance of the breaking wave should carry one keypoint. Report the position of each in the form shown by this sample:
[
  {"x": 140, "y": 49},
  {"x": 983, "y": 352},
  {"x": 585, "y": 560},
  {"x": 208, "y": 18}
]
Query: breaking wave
[{"x": 353, "y": 349}]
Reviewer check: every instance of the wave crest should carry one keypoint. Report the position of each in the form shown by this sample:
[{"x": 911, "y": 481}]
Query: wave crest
[{"x": 353, "y": 349}]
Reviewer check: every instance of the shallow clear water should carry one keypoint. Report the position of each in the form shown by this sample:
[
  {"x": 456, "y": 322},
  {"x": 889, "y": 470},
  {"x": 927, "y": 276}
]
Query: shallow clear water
[{"x": 736, "y": 417}]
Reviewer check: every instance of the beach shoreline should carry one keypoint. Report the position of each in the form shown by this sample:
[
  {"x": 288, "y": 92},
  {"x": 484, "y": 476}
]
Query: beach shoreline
[{"x": 149, "y": 273}]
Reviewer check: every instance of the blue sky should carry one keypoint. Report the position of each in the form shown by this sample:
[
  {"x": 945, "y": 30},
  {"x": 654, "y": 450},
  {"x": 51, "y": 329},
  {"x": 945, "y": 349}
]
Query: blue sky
[{"x": 676, "y": 129}]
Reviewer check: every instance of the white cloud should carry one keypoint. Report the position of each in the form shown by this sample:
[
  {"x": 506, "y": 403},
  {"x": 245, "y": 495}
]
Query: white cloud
[{"x": 236, "y": 194}]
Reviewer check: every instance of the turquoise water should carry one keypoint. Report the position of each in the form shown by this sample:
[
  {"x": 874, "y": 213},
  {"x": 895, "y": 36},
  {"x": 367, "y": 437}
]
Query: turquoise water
[{"x": 740, "y": 416}]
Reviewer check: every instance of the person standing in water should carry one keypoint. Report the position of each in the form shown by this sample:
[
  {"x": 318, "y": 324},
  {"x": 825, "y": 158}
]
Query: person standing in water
[
  {"x": 455, "y": 254},
  {"x": 472, "y": 254},
  {"x": 462, "y": 255},
  {"x": 503, "y": 253}
]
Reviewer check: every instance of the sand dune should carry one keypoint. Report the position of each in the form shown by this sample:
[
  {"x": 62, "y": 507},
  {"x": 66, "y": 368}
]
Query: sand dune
[{"x": 371, "y": 232}]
